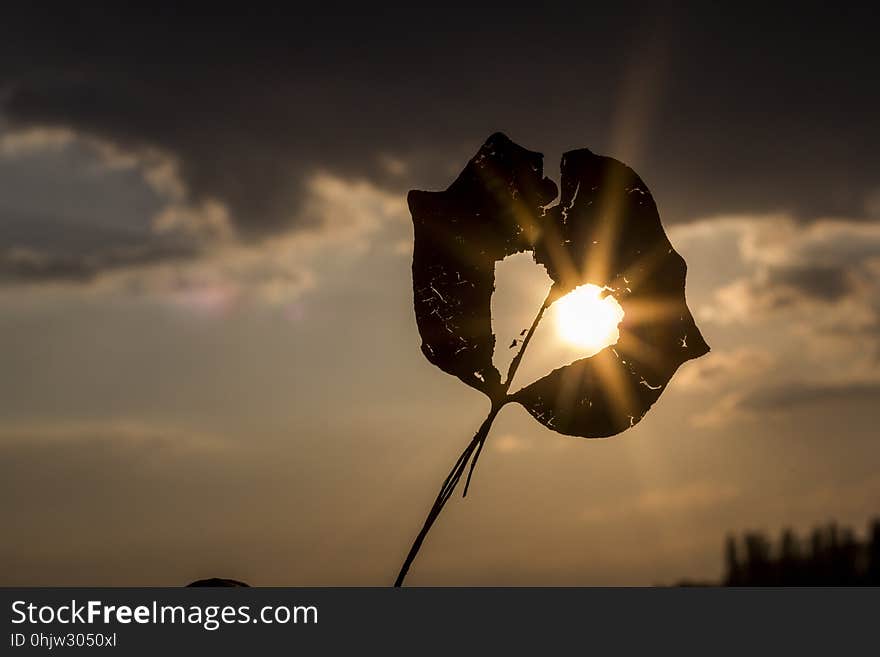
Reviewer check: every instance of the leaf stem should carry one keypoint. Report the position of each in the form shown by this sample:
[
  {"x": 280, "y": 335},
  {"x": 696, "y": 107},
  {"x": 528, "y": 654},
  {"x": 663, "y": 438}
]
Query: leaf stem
[
  {"x": 474, "y": 447},
  {"x": 446, "y": 491},
  {"x": 511, "y": 372},
  {"x": 514, "y": 364}
]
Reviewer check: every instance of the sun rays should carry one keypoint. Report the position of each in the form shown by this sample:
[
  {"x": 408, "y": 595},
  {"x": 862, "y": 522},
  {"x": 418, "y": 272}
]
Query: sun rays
[{"x": 586, "y": 318}]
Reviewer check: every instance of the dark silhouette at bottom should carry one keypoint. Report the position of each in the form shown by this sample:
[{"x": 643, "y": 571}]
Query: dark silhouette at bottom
[
  {"x": 216, "y": 581},
  {"x": 829, "y": 556}
]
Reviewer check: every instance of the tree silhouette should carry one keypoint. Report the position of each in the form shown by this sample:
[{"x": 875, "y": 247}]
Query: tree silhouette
[{"x": 832, "y": 556}]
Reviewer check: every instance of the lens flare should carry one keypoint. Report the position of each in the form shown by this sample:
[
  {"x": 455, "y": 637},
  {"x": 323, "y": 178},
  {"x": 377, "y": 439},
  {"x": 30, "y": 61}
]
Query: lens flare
[{"x": 586, "y": 319}]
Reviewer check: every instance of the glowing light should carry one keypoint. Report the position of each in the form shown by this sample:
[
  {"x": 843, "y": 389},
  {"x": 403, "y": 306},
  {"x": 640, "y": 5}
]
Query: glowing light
[{"x": 586, "y": 319}]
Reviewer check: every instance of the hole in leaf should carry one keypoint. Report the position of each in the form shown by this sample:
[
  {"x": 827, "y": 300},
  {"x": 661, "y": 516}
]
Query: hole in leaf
[
  {"x": 521, "y": 286},
  {"x": 578, "y": 325}
]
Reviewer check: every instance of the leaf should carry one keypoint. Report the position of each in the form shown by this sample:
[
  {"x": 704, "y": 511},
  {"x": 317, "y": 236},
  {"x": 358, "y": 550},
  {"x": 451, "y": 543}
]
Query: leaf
[
  {"x": 489, "y": 212},
  {"x": 605, "y": 230}
]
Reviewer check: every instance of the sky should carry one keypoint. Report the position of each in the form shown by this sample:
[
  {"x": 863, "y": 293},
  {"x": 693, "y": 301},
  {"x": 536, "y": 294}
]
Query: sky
[{"x": 210, "y": 364}]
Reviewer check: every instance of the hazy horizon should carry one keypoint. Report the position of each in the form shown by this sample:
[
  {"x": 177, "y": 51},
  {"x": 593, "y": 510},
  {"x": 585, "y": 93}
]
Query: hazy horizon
[{"x": 210, "y": 364}]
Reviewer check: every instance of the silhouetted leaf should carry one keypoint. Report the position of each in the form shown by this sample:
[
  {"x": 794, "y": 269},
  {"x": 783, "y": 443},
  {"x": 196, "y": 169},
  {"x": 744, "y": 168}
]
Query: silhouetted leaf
[
  {"x": 489, "y": 212},
  {"x": 605, "y": 230}
]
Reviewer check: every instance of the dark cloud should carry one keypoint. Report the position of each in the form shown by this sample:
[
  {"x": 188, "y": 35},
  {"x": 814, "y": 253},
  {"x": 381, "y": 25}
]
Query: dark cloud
[
  {"x": 828, "y": 271},
  {"x": 795, "y": 395},
  {"x": 801, "y": 288},
  {"x": 26, "y": 266},
  {"x": 749, "y": 110},
  {"x": 783, "y": 286}
]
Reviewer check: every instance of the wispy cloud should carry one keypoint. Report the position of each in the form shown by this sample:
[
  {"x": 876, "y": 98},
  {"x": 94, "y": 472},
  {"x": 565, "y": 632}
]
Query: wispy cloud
[
  {"x": 724, "y": 369},
  {"x": 509, "y": 443},
  {"x": 123, "y": 435},
  {"x": 688, "y": 497}
]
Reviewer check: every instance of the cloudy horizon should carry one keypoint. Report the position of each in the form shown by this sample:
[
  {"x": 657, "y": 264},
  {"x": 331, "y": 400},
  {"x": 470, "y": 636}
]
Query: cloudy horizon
[{"x": 211, "y": 365}]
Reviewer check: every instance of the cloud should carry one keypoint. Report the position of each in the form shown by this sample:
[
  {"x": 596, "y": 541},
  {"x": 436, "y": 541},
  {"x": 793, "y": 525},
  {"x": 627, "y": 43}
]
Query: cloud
[
  {"x": 690, "y": 497},
  {"x": 510, "y": 444},
  {"x": 185, "y": 253},
  {"x": 725, "y": 410},
  {"x": 724, "y": 368},
  {"x": 249, "y": 105},
  {"x": 794, "y": 396},
  {"x": 133, "y": 438},
  {"x": 805, "y": 294},
  {"x": 93, "y": 208},
  {"x": 24, "y": 142},
  {"x": 22, "y": 265},
  {"x": 819, "y": 280},
  {"x": 823, "y": 283},
  {"x": 227, "y": 119},
  {"x": 796, "y": 267},
  {"x": 791, "y": 396},
  {"x": 346, "y": 214},
  {"x": 246, "y": 140}
]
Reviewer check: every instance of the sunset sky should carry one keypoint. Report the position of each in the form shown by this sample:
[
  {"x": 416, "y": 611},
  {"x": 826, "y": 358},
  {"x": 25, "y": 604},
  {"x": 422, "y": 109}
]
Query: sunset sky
[{"x": 209, "y": 362}]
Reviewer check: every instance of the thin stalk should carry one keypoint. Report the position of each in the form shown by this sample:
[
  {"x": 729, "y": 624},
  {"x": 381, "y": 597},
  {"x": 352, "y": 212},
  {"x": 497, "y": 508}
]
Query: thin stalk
[
  {"x": 446, "y": 491},
  {"x": 514, "y": 364},
  {"x": 511, "y": 372},
  {"x": 474, "y": 447}
]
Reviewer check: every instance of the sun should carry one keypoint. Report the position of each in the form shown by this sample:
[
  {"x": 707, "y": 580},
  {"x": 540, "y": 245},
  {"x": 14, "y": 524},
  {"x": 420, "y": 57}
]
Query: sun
[{"x": 586, "y": 319}]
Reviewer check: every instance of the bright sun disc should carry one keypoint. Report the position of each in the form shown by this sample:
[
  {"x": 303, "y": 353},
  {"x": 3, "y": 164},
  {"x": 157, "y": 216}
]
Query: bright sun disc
[{"x": 586, "y": 319}]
